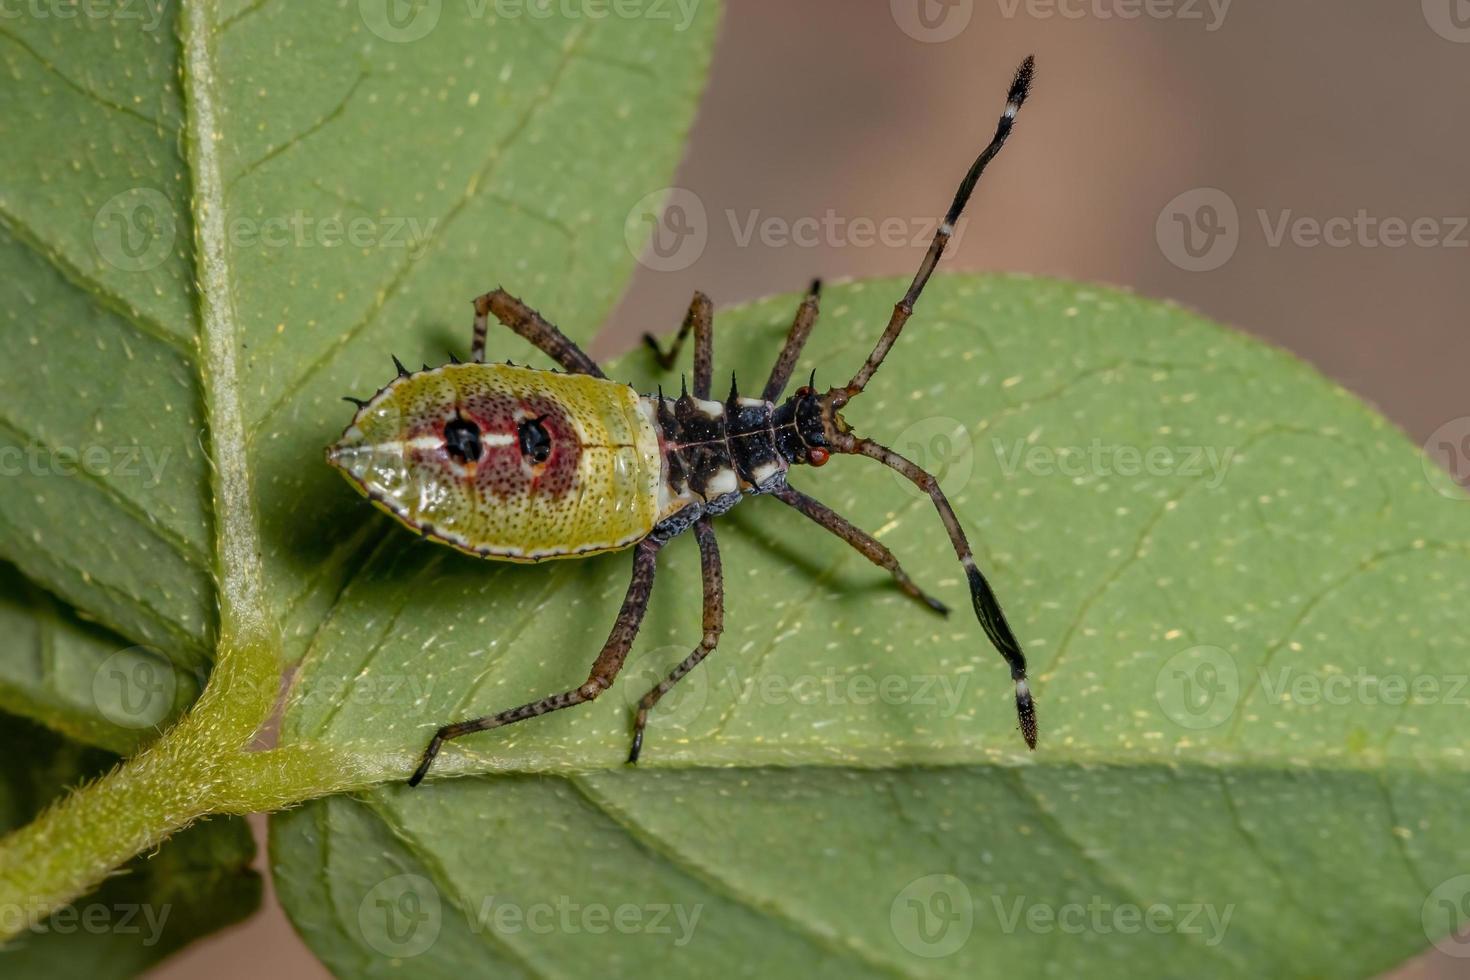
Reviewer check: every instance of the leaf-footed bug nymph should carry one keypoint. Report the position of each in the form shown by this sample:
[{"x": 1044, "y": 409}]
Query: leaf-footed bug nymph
[{"x": 519, "y": 464}]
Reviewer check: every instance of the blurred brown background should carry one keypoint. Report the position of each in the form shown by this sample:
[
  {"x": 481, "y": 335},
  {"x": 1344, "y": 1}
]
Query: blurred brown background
[{"x": 1294, "y": 109}]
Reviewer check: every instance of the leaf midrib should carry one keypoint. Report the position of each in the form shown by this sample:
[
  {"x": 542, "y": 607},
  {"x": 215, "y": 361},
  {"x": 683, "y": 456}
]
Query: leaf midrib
[{"x": 238, "y": 549}]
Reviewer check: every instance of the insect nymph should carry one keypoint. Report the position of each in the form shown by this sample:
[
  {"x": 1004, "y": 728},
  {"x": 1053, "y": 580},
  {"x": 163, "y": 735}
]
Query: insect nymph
[{"x": 519, "y": 464}]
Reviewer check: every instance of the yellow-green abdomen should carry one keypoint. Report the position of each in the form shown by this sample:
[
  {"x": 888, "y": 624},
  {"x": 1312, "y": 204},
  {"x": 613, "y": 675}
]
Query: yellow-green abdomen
[{"x": 508, "y": 462}]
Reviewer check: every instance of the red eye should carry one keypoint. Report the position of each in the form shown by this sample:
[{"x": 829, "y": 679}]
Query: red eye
[{"x": 817, "y": 456}]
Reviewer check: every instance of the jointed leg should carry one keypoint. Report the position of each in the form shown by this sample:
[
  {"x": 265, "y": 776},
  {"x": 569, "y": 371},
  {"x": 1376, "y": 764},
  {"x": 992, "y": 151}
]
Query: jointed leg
[
  {"x": 604, "y": 669},
  {"x": 533, "y": 327},
  {"x": 700, "y": 319},
  {"x": 870, "y": 547},
  {"x": 714, "y": 624},
  {"x": 801, "y": 329},
  {"x": 987, "y": 607}
]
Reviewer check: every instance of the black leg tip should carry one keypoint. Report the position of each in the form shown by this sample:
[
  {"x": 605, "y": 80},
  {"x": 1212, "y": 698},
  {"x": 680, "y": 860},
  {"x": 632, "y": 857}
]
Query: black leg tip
[
  {"x": 428, "y": 760},
  {"x": 1026, "y": 712},
  {"x": 636, "y": 750},
  {"x": 936, "y": 605}
]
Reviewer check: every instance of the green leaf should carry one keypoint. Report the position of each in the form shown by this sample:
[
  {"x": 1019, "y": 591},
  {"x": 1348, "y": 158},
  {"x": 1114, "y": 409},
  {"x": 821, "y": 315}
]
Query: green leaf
[
  {"x": 376, "y": 172},
  {"x": 1196, "y": 538},
  {"x": 199, "y": 882},
  {"x": 80, "y": 679}
]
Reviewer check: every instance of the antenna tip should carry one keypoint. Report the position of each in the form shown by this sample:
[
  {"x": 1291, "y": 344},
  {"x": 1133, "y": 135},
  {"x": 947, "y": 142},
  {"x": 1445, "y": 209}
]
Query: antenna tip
[{"x": 1021, "y": 85}]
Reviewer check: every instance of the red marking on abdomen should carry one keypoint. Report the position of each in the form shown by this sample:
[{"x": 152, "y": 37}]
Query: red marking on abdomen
[
  {"x": 556, "y": 476},
  {"x": 503, "y": 472}
]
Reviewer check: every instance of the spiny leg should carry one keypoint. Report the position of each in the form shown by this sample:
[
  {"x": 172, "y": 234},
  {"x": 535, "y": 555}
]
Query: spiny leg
[
  {"x": 599, "y": 679},
  {"x": 699, "y": 318},
  {"x": 987, "y": 607},
  {"x": 870, "y": 547},
  {"x": 714, "y": 624},
  {"x": 801, "y": 329},
  {"x": 533, "y": 327}
]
